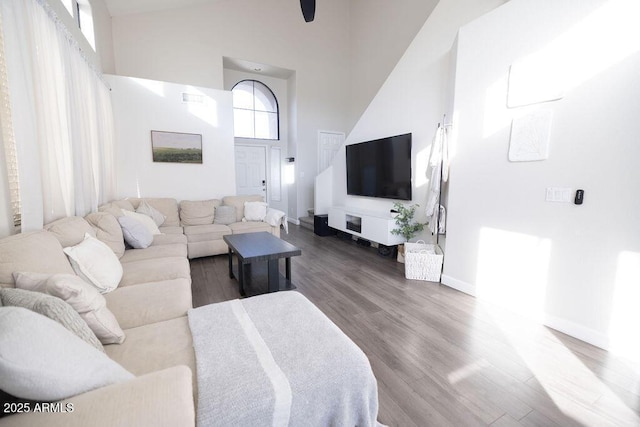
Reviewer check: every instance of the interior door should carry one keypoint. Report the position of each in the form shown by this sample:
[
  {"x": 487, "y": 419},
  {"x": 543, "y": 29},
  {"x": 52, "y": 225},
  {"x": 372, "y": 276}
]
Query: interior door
[
  {"x": 328, "y": 145},
  {"x": 251, "y": 165}
]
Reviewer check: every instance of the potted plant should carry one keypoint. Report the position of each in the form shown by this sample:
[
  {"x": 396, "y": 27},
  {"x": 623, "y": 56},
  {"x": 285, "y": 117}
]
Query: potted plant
[{"x": 406, "y": 226}]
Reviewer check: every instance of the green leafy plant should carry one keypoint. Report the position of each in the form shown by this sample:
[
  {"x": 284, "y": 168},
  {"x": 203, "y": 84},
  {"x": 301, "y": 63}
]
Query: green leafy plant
[{"x": 406, "y": 227}]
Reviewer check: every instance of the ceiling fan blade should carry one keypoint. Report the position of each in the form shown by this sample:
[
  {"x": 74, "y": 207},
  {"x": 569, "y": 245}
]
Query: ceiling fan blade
[{"x": 308, "y": 9}]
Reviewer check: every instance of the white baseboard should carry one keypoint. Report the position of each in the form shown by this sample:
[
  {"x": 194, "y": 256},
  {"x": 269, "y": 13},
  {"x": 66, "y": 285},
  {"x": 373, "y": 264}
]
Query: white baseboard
[
  {"x": 293, "y": 221},
  {"x": 458, "y": 285},
  {"x": 565, "y": 326},
  {"x": 577, "y": 331}
]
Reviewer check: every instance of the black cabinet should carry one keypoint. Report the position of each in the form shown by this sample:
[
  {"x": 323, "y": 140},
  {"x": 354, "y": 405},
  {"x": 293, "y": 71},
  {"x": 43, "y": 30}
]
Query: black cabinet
[{"x": 321, "y": 226}]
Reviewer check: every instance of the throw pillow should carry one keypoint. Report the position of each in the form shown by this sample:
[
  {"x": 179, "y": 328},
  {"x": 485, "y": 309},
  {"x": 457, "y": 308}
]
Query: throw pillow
[
  {"x": 83, "y": 297},
  {"x": 148, "y": 210},
  {"x": 255, "y": 211},
  {"x": 135, "y": 233},
  {"x": 225, "y": 215},
  {"x": 53, "y": 308},
  {"x": 41, "y": 360},
  {"x": 145, "y": 220},
  {"x": 96, "y": 263},
  {"x": 107, "y": 230}
]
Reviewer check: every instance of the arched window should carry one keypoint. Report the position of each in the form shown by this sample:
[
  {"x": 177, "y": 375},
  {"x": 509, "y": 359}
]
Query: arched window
[{"x": 255, "y": 111}]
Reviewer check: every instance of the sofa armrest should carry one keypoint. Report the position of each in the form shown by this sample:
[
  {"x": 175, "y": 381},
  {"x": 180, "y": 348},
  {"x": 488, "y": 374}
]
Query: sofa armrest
[{"x": 162, "y": 398}]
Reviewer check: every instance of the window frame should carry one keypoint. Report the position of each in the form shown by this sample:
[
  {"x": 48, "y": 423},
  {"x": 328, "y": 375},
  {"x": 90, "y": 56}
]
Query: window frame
[{"x": 277, "y": 112}]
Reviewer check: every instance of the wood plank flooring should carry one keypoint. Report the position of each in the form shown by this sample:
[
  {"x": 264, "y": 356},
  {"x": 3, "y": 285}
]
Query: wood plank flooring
[{"x": 441, "y": 357}]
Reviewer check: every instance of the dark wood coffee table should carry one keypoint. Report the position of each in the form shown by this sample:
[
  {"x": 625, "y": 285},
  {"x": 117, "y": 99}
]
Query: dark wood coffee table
[{"x": 252, "y": 248}]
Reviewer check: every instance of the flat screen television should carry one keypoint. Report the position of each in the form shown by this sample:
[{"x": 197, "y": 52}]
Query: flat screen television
[{"x": 380, "y": 168}]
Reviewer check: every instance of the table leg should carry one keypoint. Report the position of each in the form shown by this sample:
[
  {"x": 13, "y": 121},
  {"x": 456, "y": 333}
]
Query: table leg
[
  {"x": 230, "y": 263},
  {"x": 241, "y": 277},
  {"x": 274, "y": 276},
  {"x": 287, "y": 264}
]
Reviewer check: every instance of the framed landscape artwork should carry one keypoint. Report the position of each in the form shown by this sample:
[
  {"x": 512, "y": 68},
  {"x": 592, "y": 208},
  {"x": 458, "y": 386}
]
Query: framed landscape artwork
[{"x": 176, "y": 147}]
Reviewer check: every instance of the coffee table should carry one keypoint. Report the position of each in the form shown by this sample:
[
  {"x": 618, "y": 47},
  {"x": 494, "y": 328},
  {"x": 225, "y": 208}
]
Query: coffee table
[{"x": 252, "y": 248}]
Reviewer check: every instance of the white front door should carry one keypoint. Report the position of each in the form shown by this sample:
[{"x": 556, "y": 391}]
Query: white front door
[{"x": 251, "y": 177}]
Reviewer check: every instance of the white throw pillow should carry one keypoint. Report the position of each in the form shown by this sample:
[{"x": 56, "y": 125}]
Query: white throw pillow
[
  {"x": 255, "y": 211},
  {"x": 135, "y": 233},
  {"x": 83, "y": 297},
  {"x": 145, "y": 220},
  {"x": 148, "y": 210},
  {"x": 41, "y": 360},
  {"x": 96, "y": 263}
]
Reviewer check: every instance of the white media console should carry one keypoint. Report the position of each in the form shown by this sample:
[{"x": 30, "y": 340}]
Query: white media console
[{"x": 369, "y": 225}]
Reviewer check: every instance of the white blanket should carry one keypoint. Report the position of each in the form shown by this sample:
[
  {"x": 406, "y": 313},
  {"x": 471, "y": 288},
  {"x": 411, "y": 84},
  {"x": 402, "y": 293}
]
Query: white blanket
[
  {"x": 276, "y": 360},
  {"x": 276, "y": 218}
]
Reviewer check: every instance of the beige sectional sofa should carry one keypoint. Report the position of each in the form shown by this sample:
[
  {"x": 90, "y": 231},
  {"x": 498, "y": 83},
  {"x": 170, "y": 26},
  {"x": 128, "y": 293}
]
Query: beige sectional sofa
[
  {"x": 197, "y": 221},
  {"x": 150, "y": 305}
]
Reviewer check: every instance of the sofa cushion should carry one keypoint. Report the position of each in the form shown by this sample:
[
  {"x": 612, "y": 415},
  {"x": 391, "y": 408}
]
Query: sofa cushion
[
  {"x": 37, "y": 251},
  {"x": 162, "y": 398},
  {"x": 71, "y": 366},
  {"x": 155, "y": 270},
  {"x": 171, "y": 229},
  {"x": 70, "y": 230},
  {"x": 144, "y": 220},
  {"x": 108, "y": 231},
  {"x": 200, "y": 212},
  {"x": 146, "y": 209},
  {"x": 200, "y": 233},
  {"x": 155, "y": 346},
  {"x": 54, "y": 308},
  {"x": 152, "y": 302},
  {"x": 207, "y": 248},
  {"x": 135, "y": 233},
  {"x": 124, "y": 204},
  {"x": 238, "y": 203},
  {"x": 111, "y": 208},
  {"x": 96, "y": 263},
  {"x": 169, "y": 238},
  {"x": 153, "y": 252},
  {"x": 249, "y": 227},
  {"x": 83, "y": 297},
  {"x": 225, "y": 215},
  {"x": 168, "y": 207}
]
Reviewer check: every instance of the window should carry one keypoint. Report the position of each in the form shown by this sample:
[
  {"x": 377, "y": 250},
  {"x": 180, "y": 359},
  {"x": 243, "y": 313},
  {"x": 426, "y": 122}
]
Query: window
[
  {"x": 255, "y": 111},
  {"x": 68, "y": 4},
  {"x": 85, "y": 21},
  {"x": 80, "y": 10}
]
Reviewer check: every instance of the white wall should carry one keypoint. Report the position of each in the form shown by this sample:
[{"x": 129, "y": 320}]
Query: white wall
[
  {"x": 103, "y": 35},
  {"x": 574, "y": 267},
  {"x": 187, "y": 45},
  {"x": 144, "y": 105},
  {"x": 279, "y": 88},
  {"x": 413, "y": 99},
  {"x": 380, "y": 32}
]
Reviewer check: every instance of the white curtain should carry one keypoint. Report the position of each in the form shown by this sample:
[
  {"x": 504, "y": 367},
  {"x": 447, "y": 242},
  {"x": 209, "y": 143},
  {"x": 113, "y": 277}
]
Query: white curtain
[{"x": 65, "y": 139}]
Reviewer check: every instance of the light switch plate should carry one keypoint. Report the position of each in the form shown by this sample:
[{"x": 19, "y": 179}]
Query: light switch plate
[{"x": 558, "y": 194}]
